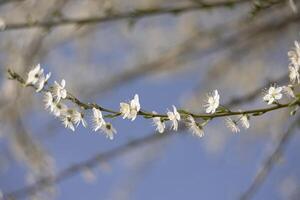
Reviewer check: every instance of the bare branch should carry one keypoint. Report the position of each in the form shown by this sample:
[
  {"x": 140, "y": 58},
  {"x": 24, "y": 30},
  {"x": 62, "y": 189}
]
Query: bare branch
[
  {"x": 270, "y": 161},
  {"x": 133, "y": 15}
]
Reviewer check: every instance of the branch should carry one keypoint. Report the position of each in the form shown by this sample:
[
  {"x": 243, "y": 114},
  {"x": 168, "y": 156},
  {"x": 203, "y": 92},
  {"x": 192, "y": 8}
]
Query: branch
[
  {"x": 270, "y": 161},
  {"x": 109, "y": 155},
  {"x": 133, "y": 15},
  {"x": 147, "y": 114}
]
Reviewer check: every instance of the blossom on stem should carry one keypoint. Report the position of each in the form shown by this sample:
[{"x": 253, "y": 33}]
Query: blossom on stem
[
  {"x": 77, "y": 118},
  {"x": 130, "y": 110},
  {"x": 49, "y": 101},
  {"x": 59, "y": 109},
  {"x": 59, "y": 91},
  {"x": 160, "y": 125},
  {"x": 294, "y": 73},
  {"x": 97, "y": 119},
  {"x": 67, "y": 121},
  {"x": 294, "y": 55},
  {"x": 34, "y": 75},
  {"x": 194, "y": 127},
  {"x": 245, "y": 121},
  {"x": 273, "y": 94},
  {"x": 232, "y": 125},
  {"x": 213, "y": 101},
  {"x": 289, "y": 90},
  {"x": 174, "y": 117},
  {"x": 42, "y": 81},
  {"x": 109, "y": 130}
]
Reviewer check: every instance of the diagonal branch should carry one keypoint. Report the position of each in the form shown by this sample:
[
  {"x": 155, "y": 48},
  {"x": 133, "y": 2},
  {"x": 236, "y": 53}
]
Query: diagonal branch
[{"x": 270, "y": 161}]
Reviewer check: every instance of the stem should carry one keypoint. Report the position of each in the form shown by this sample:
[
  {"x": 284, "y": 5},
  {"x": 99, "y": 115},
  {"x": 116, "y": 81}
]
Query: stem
[{"x": 146, "y": 114}]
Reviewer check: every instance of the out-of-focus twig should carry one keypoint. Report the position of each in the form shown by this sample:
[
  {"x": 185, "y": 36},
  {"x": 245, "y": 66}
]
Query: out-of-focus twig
[
  {"x": 133, "y": 15},
  {"x": 270, "y": 161},
  {"x": 185, "y": 47}
]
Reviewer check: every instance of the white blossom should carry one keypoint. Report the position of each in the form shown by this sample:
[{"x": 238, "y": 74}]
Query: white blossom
[
  {"x": 49, "y": 101},
  {"x": 67, "y": 121},
  {"x": 294, "y": 55},
  {"x": 288, "y": 90},
  {"x": 2, "y": 24},
  {"x": 232, "y": 125},
  {"x": 59, "y": 109},
  {"x": 213, "y": 101},
  {"x": 160, "y": 125},
  {"x": 273, "y": 94},
  {"x": 109, "y": 130},
  {"x": 59, "y": 91},
  {"x": 125, "y": 110},
  {"x": 294, "y": 73},
  {"x": 42, "y": 81},
  {"x": 77, "y": 118},
  {"x": 34, "y": 75},
  {"x": 194, "y": 127},
  {"x": 97, "y": 119},
  {"x": 174, "y": 117},
  {"x": 245, "y": 121},
  {"x": 130, "y": 110}
]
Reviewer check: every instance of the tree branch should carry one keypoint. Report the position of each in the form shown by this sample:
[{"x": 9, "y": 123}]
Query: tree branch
[{"x": 109, "y": 155}]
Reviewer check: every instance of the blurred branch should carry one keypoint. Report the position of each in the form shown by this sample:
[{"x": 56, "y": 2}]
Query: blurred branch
[
  {"x": 260, "y": 5},
  {"x": 185, "y": 47},
  {"x": 2, "y": 2},
  {"x": 109, "y": 155},
  {"x": 270, "y": 161},
  {"x": 132, "y": 15}
]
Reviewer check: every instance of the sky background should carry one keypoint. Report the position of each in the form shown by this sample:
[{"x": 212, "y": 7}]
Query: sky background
[{"x": 221, "y": 165}]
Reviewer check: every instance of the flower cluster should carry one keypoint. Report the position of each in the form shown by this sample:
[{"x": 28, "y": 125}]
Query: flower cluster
[{"x": 55, "y": 96}]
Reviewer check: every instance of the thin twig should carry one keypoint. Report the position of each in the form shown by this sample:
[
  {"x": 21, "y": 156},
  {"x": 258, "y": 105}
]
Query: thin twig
[
  {"x": 133, "y": 15},
  {"x": 270, "y": 161}
]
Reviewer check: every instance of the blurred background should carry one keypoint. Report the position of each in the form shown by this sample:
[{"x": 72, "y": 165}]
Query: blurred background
[{"x": 169, "y": 52}]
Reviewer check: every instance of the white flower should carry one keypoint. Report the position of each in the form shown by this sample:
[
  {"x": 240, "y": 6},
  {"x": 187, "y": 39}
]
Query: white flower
[
  {"x": 160, "y": 125},
  {"x": 34, "y": 75},
  {"x": 245, "y": 121},
  {"x": 213, "y": 101},
  {"x": 294, "y": 55},
  {"x": 288, "y": 90},
  {"x": 59, "y": 109},
  {"x": 273, "y": 94},
  {"x": 174, "y": 117},
  {"x": 194, "y": 127},
  {"x": 125, "y": 110},
  {"x": 109, "y": 130},
  {"x": 77, "y": 118},
  {"x": 49, "y": 101},
  {"x": 59, "y": 91},
  {"x": 2, "y": 27},
  {"x": 67, "y": 121},
  {"x": 131, "y": 110},
  {"x": 294, "y": 73},
  {"x": 42, "y": 81},
  {"x": 232, "y": 125},
  {"x": 98, "y": 119}
]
